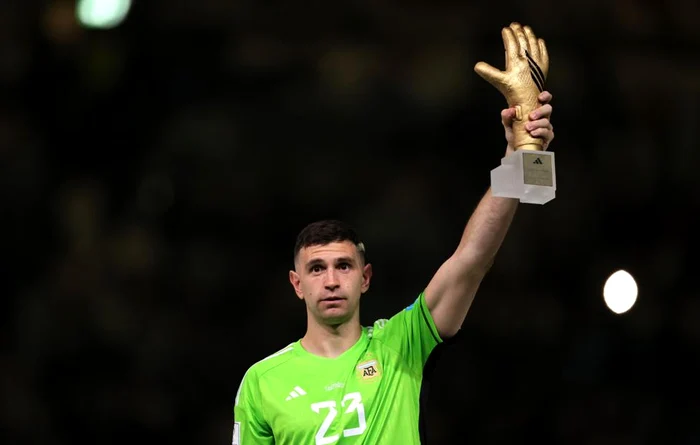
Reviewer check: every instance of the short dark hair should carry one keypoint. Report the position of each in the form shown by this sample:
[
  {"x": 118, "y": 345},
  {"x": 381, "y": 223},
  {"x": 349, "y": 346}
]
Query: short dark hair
[{"x": 328, "y": 231}]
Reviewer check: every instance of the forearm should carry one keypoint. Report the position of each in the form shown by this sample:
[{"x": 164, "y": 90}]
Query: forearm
[
  {"x": 451, "y": 291},
  {"x": 485, "y": 232}
]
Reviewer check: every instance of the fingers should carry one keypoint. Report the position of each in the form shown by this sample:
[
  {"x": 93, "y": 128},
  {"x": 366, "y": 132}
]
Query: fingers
[
  {"x": 544, "y": 56},
  {"x": 545, "y": 132},
  {"x": 510, "y": 43},
  {"x": 540, "y": 125},
  {"x": 520, "y": 37},
  {"x": 544, "y": 97},
  {"x": 538, "y": 118},
  {"x": 543, "y": 112},
  {"x": 532, "y": 44},
  {"x": 541, "y": 128},
  {"x": 517, "y": 39}
]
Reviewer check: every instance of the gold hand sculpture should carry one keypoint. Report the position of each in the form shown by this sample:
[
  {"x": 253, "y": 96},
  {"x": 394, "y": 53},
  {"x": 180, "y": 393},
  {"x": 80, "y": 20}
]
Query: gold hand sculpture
[{"x": 527, "y": 64}]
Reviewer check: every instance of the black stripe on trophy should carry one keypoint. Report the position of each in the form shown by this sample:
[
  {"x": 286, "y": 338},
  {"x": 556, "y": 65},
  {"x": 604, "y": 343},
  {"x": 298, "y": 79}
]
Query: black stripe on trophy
[
  {"x": 534, "y": 78},
  {"x": 534, "y": 66}
]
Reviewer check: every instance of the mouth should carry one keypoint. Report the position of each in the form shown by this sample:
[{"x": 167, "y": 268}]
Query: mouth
[{"x": 332, "y": 299}]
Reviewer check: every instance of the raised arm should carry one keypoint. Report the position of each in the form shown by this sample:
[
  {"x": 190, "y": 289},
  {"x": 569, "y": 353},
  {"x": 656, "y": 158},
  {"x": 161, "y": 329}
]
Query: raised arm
[{"x": 451, "y": 291}]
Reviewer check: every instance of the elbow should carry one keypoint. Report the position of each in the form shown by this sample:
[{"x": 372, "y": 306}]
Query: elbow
[
  {"x": 474, "y": 264},
  {"x": 481, "y": 268}
]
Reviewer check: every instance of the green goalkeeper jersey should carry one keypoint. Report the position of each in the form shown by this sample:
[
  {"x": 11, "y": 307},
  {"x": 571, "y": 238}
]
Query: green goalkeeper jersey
[{"x": 368, "y": 395}]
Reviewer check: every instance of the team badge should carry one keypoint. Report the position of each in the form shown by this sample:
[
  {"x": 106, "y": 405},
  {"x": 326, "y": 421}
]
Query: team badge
[{"x": 369, "y": 370}]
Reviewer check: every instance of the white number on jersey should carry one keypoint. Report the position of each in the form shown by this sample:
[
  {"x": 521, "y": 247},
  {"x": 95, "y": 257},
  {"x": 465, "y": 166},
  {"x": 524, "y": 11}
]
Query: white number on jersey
[
  {"x": 354, "y": 406},
  {"x": 321, "y": 438}
]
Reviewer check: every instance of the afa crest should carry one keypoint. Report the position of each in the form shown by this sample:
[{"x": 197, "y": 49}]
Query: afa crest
[{"x": 369, "y": 370}]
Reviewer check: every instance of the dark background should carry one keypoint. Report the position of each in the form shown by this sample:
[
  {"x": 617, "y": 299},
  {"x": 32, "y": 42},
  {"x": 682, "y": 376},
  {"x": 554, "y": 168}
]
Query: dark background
[{"x": 154, "y": 177}]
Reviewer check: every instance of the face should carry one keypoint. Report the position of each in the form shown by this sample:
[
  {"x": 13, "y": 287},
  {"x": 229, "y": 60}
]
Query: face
[{"x": 330, "y": 278}]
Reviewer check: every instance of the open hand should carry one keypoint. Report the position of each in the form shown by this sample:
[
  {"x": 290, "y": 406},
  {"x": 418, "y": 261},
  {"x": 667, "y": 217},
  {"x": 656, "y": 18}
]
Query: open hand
[{"x": 522, "y": 83}]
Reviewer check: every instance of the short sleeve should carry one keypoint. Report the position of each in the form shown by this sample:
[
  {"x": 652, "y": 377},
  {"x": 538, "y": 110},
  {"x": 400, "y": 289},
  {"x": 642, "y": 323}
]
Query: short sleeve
[
  {"x": 250, "y": 427},
  {"x": 411, "y": 333}
]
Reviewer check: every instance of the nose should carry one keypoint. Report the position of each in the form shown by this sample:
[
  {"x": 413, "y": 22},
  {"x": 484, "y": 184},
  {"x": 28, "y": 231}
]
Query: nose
[{"x": 332, "y": 282}]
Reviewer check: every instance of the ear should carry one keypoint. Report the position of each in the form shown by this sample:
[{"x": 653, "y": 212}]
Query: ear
[
  {"x": 296, "y": 283},
  {"x": 366, "y": 277}
]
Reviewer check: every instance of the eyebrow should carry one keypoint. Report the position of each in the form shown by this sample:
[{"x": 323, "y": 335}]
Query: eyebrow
[{"x": 318, "y": 261}]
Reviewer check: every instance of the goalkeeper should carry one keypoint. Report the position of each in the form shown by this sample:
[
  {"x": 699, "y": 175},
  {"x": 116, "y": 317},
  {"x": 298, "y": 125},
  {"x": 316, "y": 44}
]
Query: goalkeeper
[{"x": 343, "y": 383}]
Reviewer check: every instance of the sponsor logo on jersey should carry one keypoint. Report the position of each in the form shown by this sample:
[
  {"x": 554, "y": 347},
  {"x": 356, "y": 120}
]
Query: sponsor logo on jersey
[
  {"x": 298, "y": 391},
  {"x": 369, "y": 370},
  {"x": 335, "y": 385}
]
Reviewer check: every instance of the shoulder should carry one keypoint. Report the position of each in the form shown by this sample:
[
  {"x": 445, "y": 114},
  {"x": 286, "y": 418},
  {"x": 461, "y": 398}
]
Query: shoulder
[
  {"x": 383, "y": 325},
  {"x": 377, "y": 328},
  {"x": 272, "y": 361},
  {"x": 257, "y": 370}
]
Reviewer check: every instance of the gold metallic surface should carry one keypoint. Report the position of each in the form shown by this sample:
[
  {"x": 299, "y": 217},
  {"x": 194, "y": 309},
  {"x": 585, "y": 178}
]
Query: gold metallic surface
[{"x": 519, "y": 82}]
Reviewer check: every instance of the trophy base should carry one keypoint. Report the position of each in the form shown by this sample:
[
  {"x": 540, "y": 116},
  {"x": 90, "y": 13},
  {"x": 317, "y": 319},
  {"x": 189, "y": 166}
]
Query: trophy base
[{"x": 527, "y": 175}]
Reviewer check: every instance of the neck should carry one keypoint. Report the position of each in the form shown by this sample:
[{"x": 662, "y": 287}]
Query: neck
[{"x": 331, "y": 340}]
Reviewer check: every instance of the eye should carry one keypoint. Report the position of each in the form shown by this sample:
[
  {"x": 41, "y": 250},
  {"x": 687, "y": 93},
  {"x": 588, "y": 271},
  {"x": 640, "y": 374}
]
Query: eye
[
  {"x": 316, "y": 269},
  {"x": 344, "y": 266}
]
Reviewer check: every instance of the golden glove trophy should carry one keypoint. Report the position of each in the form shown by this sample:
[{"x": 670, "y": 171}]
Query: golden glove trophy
[{"x": 528, "y": 173}]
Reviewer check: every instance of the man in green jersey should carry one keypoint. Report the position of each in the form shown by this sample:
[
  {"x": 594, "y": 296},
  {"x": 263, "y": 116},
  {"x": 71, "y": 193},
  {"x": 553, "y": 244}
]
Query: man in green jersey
[{"x": 343, "y": 383}]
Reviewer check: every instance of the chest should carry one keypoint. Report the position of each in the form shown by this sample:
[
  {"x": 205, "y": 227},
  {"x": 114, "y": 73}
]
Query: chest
[{"x": 323, "y": 404}]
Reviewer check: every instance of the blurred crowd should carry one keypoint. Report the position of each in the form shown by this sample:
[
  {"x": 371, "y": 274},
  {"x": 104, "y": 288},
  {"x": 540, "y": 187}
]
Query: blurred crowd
[{"x": 155, "y": 175}]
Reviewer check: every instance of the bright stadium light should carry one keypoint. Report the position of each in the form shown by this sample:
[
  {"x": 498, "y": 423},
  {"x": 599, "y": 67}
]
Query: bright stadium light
[
  {"x": 620, "y": 292},
  {"x": 102, "y": 14}
]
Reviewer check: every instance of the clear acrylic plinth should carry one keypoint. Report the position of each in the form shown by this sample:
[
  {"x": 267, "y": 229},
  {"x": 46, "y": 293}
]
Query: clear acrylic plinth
[{"x": 527, "y": 175}]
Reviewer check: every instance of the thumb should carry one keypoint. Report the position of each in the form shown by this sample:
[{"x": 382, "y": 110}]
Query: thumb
[
  {"x": 507, "y": 117},
  {"x": 492, "y": 75}
]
